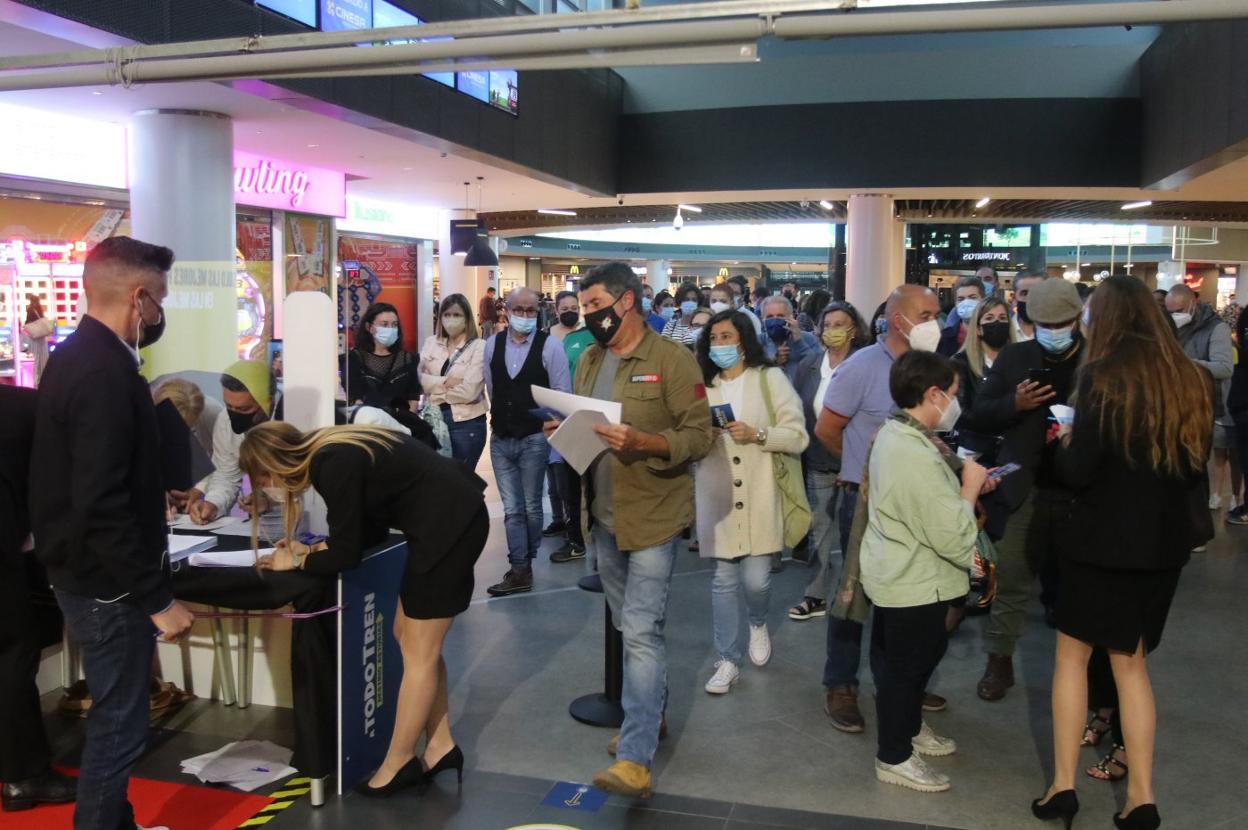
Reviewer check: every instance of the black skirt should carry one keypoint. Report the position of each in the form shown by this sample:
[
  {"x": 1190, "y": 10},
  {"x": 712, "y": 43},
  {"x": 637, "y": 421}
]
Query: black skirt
[
  {"x": 446, "y": 589},
  {"x": 1114, "y": 608}
]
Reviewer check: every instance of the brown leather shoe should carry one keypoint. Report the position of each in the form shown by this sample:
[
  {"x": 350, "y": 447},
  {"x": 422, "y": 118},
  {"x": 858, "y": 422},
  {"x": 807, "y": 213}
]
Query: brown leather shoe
[
  {"x": 514, "y": 582},
  {"x": 934, "y": 702},
  {"x": 841, "y": 705},
  {"x": 614, "y": 743},
  {"x": 998, "y": 677}
]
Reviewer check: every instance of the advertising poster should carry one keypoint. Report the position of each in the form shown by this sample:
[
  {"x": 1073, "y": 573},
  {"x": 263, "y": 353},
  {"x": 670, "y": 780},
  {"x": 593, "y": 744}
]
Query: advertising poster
[
  {"x": 344, "y": 15},
  {"x": 308, "y": 260},
  {"x": 393, "y": 267},
  {"x": 474, "y": 83},
  {"x": 255, "y": 286},
  {"x": 199, "y": 308},
  {"x": 505, "y": 90},
  {"x": 302, "y": 10}
]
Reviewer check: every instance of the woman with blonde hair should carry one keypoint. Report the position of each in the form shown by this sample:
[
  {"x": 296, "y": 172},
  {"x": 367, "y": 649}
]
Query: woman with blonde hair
[
  {"x": 452, "y": 374},
  {"x": 373, "y": 479},
  {"x": 1135, "y": 460}
]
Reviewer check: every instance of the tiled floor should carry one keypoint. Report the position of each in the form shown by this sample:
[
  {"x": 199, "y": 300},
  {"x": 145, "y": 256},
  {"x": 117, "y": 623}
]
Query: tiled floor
[{"x": 764, "y": 755}]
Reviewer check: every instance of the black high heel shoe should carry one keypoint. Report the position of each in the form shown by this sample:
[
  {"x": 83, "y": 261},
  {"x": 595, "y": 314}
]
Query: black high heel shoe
[
  {"x": 411, "y": 775},
  {"x": 1061, "y": 805},
  {"x": 1144, "y": 817},
  {"x": 451, "y": 760}
]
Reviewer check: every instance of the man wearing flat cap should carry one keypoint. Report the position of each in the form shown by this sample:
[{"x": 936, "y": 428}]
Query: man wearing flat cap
[{"x": 1027, "y": 378}]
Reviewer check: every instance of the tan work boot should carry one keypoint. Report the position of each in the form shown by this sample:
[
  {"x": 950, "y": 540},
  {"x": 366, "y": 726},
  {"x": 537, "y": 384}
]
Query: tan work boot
[
  {"x": 624, "y": 778},
  {"x": 614, "y": 743},
  {"x": 998, "y": 677},
  {"x": 841, "y": 706}
]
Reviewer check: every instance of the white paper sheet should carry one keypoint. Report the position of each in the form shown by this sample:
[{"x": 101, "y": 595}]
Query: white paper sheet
[
  {"x": 183, "y": 522},
  {"x": 568, "y": 403},
  {"x": 244, "y": 765},
  {"x": 182, "y": 545},
  {"x": 576, "y": 440},
  {"x": 1062, "y": 413},
  {"x": 226, "y": 558}
]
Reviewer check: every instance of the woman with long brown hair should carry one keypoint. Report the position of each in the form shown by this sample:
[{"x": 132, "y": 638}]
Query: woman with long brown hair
[
  {"x": 1135, "y": 461},
  {"x": 372, "y": 479}
]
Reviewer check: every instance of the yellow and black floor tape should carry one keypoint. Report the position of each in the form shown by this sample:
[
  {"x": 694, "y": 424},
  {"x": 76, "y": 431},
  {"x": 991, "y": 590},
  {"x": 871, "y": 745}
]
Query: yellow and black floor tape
[{"x": 283, "y": 798}]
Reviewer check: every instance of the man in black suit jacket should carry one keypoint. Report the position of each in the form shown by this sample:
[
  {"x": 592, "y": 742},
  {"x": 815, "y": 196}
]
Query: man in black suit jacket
[
  {"x": 25, "y": 757},
  {"x": 98, "y": 513}
]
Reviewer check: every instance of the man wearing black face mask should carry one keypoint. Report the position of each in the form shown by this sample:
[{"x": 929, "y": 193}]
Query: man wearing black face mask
[
  {"x": 563, "y": 483},
  {"x": 248, "y": 390},
  {"x": 1024, "y": 329},
  {"x": 97, "y": 508}
]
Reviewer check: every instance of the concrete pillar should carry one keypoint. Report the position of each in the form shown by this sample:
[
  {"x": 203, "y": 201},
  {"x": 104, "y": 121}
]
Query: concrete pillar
[
  {"x": 453, "y": 277},
  {"x": 874, "y": 251},
  {"x": 426, "y": 311},
  {"x": 182, "y": 196},
  {"x": 656, "y": 274}
]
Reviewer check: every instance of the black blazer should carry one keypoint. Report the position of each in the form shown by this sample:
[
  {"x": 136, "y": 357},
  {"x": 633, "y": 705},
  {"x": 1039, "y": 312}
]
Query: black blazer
[
  {"x": 430, "y": 498},
  {"x": 17, "y": 429},
  {"x": 1123, "y": 516},
  {"x": 400, "y": 384},
  {"x": 97, "y": 500}
]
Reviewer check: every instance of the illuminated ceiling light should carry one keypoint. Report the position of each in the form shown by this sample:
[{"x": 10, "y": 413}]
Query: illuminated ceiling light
[
  {"x": 313, "y": 146},
  {"x": 693, "y": 208},
  {"x": 1134, "y": 205},
  {"x": 554, "y": 212},
  {"x": 983, "y": 202},
  {"x": 825, "y": 204}
]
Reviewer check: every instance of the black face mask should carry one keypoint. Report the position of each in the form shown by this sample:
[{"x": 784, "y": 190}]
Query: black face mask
[
  {"x": 150, "y": 334},
  {"x": 995, "y": 335},
  {"x": 569, "y": 319},
  {"x": 1022, "y": 312},
  {"x": 240, "y": 422},
  {"x": 603, "y": 324}
]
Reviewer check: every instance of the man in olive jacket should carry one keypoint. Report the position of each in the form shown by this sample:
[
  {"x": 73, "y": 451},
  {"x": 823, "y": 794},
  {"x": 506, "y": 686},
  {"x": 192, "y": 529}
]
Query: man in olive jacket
[{"x": 638, "y": 496}]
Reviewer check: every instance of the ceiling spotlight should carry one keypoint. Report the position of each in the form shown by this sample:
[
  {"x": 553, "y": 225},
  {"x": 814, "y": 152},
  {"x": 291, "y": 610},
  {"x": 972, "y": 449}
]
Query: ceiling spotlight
[
  {"x": 693, "y": 208},
  {"x": 983, "y": 202},
  {"x": 554, "y": 212},
  {"x": 679, "y": 221},
  {"x": 1134, "y": 205},
  {"x": 825, "y": 204}
]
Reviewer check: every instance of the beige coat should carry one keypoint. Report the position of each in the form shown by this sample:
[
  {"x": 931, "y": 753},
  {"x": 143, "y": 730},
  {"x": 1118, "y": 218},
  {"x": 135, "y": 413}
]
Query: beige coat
[
  {"x": 464, "y": 386},
  {"x": 737, "y": 500}
]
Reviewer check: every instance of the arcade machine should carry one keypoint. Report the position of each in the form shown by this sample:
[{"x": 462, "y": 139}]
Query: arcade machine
[
  {"x": 252, "y": 313},
  {"x": 53, "y": 273}
]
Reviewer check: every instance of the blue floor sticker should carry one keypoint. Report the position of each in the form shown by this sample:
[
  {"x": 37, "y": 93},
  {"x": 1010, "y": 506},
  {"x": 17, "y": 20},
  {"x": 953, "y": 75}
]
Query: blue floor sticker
[{"x": 572, "y": 796}]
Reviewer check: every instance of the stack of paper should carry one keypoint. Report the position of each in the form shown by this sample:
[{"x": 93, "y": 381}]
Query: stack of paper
[
  {"x": 227, "y": 558},
  {"x": 575, "y": 438},
  {"x": 182, "y": 545},
  {"x": 183, "y": 522},
  {"x": 244, "y": 765}
]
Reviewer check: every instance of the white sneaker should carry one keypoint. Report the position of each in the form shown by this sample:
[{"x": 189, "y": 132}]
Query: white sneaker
[
  {"x": 1215, "y": 502},
  {"x": 726, "y": 673},
  {"x": 928, "y": 742},
  {"x": 760, "y": 645},
  {"x": 913, "y": 774}
]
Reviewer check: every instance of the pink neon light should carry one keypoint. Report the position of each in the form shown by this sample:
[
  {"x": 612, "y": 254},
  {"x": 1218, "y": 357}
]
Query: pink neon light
[{"x": 266, "y": 182}]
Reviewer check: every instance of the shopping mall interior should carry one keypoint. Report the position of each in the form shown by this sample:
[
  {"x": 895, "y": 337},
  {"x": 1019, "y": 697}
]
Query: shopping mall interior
[{"x": 844, "y": 145}]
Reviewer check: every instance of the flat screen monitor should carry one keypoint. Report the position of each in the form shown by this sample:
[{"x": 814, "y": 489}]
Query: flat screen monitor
[
  {"x": 387, "y": 14},
  {"x": 345, "y": 15},
  {"x": 505, "y": 90},
  {"x": 303, "y": 11},
  {"x": 474, "y": 83}
]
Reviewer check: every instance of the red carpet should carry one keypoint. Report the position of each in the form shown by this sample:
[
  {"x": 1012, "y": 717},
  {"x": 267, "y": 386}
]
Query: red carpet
[{"x": 156, "y": 803}]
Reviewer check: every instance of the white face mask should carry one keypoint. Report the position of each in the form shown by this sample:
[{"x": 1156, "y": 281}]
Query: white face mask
[
  {"x": 1181, "y": 318},
  {"x": 924, "y": 337},
  {"x": 718, "y": 306},
  {"x": 949, "y": 415}
]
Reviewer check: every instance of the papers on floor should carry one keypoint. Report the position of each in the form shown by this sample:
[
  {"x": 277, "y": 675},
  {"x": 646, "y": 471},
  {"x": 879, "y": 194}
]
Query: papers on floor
[
  {"x": 227, "y": 558},
  {"x": 182, "y": 545},
  {"x": 1063, "y": 414},
  {"x": 244, "y": 765},
  {"x": 183, "y": 522},
  {"x": 575, "y": 438}
]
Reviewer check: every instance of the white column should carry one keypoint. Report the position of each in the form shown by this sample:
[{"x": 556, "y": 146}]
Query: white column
[
  {"x": 656, "y": 274},
  {"x": 425, "y": 309},
  {"x": 874, "y": 252},
  {"x": 453, "y": 277},
  {"x": 182, "y": 196}
]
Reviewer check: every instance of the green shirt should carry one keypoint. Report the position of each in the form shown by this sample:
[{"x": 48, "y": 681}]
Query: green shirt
[
  {"x": 574, "y": 344},
  {"x": 920, "y": 536}
]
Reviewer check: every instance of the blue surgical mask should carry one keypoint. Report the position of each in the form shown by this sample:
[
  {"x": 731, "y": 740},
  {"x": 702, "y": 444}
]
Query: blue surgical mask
[
  {"x": 386, "y": 335},
  {"x": 1055, "y": 341},
  {"x": 966, "y": 308},
  {"x": 725, "y": 357},
  {"x": 646, "y": 303},
  {"x": 688, "y": 307},
  {"x": 524, "y": 325},
  {"x": 667, "y": 312}
]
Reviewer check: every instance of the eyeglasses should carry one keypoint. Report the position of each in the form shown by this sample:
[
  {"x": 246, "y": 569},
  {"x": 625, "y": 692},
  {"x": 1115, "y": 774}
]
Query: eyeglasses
[{"x": 524, "y": 311}]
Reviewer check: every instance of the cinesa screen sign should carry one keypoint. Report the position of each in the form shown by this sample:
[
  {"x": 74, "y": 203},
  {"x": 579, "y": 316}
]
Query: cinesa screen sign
[{"x": 344, "y": 15}]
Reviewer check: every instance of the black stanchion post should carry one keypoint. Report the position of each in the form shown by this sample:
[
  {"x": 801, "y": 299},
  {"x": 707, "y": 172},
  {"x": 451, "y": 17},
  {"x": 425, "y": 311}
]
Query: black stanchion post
[{"x": 603, "y": 708}]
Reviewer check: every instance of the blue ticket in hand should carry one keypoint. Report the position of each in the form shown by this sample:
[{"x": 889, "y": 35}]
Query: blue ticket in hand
[
  {"x": 545, "y": 413},
  {"x": 721, "y": 415}
]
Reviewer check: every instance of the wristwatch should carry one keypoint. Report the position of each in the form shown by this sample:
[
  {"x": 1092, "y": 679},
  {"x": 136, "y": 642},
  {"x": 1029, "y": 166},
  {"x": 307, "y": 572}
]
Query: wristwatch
[{"x": 761, "y": 436}]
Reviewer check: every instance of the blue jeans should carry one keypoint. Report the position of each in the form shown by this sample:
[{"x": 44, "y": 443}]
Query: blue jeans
[
  {"x": 637, "y": 584},
  {"x": 752, "y": 573},
  {"x": 821, "y": 492},
  {"x": 117, "y": 642},
  {"x": 845, "y": 637},
  {"x": 520, "y": 470},
  {"x": 467, "y": 438}
]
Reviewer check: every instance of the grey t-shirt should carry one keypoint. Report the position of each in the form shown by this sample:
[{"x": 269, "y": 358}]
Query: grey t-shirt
[{"x": 604, "y": 390}]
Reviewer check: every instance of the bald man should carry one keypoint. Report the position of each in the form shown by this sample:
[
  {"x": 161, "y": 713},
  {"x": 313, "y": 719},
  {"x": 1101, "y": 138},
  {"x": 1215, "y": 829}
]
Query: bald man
[
  {"x": 97, "y": 507},
  {"x": 516, "y": 360},
  {"x": 854, "y": 407}
]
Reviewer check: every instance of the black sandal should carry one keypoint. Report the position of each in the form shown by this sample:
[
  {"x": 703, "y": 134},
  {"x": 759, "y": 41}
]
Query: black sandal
[
  {"x": 1092, "y": 736},
  {"x": 1100, "y": 771}
]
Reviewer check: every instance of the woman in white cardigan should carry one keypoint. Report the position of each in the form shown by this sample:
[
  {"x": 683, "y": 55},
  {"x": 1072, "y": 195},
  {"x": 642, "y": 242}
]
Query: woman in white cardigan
[{"x": 738, "y": 501}]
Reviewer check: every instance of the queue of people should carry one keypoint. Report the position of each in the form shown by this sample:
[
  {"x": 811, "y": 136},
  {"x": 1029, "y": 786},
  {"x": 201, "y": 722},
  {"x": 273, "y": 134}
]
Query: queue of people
[{"x": 755, "y": 426}]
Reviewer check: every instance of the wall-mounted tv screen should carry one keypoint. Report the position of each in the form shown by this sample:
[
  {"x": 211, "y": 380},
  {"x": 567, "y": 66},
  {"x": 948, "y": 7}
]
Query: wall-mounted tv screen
[
  {"x": 505, "y": 90},
  {"x": 474, "y": 83},
  {"x": 345, "y": 15},
  {"x": 303, "y": 11}
]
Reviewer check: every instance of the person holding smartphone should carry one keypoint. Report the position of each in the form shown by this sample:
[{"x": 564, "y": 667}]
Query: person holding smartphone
[{"x": 1025, "y": 380}]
